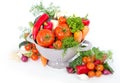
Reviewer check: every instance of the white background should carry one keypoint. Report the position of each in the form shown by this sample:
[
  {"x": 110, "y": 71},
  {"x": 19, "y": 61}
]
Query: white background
[{"x": 104, "y": 33}]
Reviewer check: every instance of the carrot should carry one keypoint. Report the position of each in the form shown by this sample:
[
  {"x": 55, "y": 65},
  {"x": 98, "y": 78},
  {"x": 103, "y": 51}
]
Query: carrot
[
  {"x": 78, "y": 36},
  {"x": 85, "y": 32},
  {"x": 43, "y": 60}
]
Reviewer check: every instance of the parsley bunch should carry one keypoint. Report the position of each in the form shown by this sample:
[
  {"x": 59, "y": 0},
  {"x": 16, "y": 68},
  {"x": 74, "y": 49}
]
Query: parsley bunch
[{"x": 75, "y": 23}]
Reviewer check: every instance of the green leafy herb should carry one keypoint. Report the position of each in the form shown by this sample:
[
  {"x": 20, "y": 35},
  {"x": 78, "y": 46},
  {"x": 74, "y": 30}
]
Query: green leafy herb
[
  {"x": 69, "y": 42},
  {"x": 86, "y": 53},
  {"x": 40, "y": 8},
  {"x": 24, "y": 31},
  {"x": 75, "y": 23},
  {"x": 98, "y": 54},
  {"x": 109, "y": 54},
  {"x": 75, "y": 62},
  {"x": 31, "y": 24}
]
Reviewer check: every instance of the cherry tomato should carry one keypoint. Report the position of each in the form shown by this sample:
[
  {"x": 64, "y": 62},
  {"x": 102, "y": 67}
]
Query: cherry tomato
[
  {"x": 34, "y": 57},
  {"x": 90, "y": 65},
  {"x": 57, "y": 44},
  {"x": 28, "y": 47},
  {"x": 34, "y": 50},
  {"x": 89, "y": 59},
  {"x": 99, "y": 67},
  {"x": 98, "y": 73},
  {"x": 61, "y": 20},
  {"x": 45, "y": 38},
  {"x": 91, "y": 73},
  {"x": 33, "y": 46},
  {"x": 62, "y": 31},
  {"x": 84, "y": 59}
]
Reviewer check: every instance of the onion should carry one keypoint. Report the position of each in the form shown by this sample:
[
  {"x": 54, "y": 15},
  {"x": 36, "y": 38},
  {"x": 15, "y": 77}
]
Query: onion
[
  {"x": 24, "y": 58},
  {"x": 106, "y": 72},
  {"x": 70, "y": 69}
]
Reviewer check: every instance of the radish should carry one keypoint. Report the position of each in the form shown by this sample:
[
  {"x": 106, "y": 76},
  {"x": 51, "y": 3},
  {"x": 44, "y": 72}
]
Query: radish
[{"x": 106, "y": 72}]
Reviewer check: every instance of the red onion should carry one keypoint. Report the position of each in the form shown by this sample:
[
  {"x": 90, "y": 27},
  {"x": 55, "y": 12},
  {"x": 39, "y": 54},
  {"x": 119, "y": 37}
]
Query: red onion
[
  {"x": 24, "y": 58},
  {"x": 106, "y": 72},
  {"x": 70, "y": 69}
]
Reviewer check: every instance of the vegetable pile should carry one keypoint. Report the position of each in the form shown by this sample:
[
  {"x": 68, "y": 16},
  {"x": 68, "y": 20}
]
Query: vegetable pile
[
  {"x": 54, "y": 31},
  {"x": 92, "y": 63},
  {"x": 69, "y": 31},
  {"x": 31, "y": 52}
]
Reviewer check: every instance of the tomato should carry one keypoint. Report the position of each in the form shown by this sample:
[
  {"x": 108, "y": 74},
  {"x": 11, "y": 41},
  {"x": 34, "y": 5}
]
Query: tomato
[
  {"x": 34, "y": 56},
  {"x": 99, "y": 67},
  {"x": 61, "y": 20},
  {"x": 28, "y": 47},
  {"x": 91, "y": 73},
  {"x": 90, "y": 65},
  {"x": 62, "y": 31},
  {"x": 33, "y": 46},
  {"x": 57, "y": 44},
  {"x": 45, "y": 38},
  {"x": 98, "y": 73},
  {"x": 34, "y": 50},
  {"x": 88, "y": 59},
  {"x": 78, "y": 36},
  {"x": 84, "y": 59}
]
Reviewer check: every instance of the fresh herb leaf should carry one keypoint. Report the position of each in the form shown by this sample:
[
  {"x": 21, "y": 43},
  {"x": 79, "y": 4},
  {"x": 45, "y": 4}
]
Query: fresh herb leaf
[
  {"x": 40, "y": 8},
  {"x": 109, "y": 54},
  {"x": 69, "y": 42},
  {"x": 86, "y": 53},
  {"x": 75, "y": 23},
  {"x": 75, "y": 62},
  {"x": 98, "y": 54}
]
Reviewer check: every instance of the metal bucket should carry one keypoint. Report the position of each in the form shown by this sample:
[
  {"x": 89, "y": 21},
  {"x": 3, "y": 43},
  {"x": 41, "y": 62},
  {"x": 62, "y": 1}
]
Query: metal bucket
[{"x": 56, "y": 60}]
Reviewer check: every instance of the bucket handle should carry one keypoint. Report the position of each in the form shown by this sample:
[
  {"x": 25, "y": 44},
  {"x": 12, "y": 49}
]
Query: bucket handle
[{"x": 85, "y": 45}]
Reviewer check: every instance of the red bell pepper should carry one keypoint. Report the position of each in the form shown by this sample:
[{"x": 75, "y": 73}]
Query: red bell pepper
[
  {"x": 85, "y": 21},
  {"x": 48, "y": 25},
  {"x": 82, "y": 69},
  {"x": 38, "y": 23}
]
